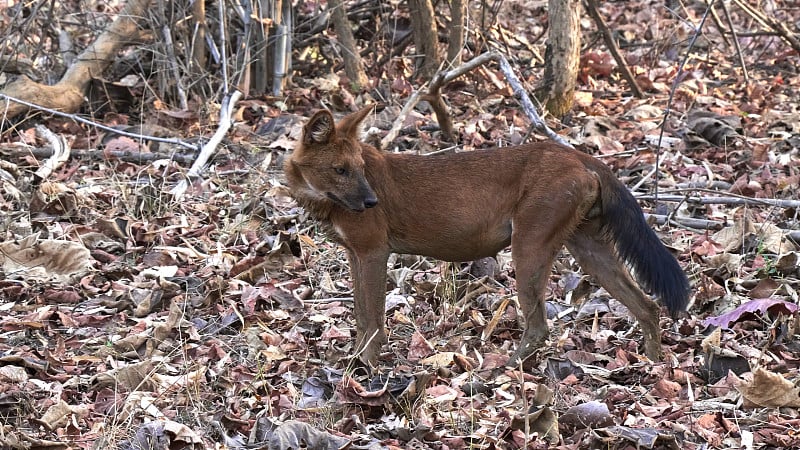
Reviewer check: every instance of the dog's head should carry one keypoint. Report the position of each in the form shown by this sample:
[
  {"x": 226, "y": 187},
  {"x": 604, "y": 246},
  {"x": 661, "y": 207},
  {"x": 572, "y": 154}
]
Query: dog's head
[{"x": 328, "y": 162}]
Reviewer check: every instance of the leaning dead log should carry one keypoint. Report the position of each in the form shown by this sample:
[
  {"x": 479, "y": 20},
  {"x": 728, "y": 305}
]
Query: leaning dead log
[{"x": 68, "y": 94}]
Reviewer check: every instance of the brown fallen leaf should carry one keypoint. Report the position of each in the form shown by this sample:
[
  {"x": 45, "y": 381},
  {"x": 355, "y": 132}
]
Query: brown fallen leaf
[
  {"x": 150, "y": 436},
  {"x": 13, "y": 374},
  {"x": 499, "y": 312},
  {"x": 351, "y": 391},
  {"x": 540, "y": 418},
  {"x": 296, "y": 434},
  {"x": 745, "y": 231},
  {"x": 441, "y": 394},
  {"x": 788, "y": 264},
  {"x": 666, "y": 389},
  {"x": 177, "y": 382},
  {"x": 44, "y": 260},
  {"x": 131, "y": 377},
  {"x": 17, "y": 440},
  {"x": 768, "y": 390},
  {"x": 440, "y": 359},
  {"x": 59, "y": 414},
  {"x": 419, "y": 347}
]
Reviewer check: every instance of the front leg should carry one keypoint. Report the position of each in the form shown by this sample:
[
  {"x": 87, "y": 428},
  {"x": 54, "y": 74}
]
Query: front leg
[{"x": 368, "y": 271}]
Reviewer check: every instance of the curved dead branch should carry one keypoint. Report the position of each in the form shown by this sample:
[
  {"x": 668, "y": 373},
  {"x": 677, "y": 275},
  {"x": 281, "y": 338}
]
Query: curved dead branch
[{"x": 68, "y": 94}]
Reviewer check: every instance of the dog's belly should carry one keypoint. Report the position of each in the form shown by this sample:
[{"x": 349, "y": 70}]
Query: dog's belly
[{"x": 457, "y": 242}]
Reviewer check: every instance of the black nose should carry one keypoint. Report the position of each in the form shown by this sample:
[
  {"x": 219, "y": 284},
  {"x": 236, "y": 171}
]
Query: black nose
[{"x": 370, "y": 202}]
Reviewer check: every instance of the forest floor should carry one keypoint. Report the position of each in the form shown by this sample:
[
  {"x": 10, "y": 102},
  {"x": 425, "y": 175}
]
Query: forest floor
[{"x": 224, "y": 319}]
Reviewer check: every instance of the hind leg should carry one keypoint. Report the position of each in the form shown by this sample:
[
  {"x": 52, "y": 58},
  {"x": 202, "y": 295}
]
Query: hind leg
[
  {"x": 598, "y": 258},
  {"x": 539, "y": 231}
]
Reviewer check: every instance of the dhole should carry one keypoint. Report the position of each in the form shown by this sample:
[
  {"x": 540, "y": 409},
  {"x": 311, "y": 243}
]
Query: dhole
[{"x": 465, "y": 206}]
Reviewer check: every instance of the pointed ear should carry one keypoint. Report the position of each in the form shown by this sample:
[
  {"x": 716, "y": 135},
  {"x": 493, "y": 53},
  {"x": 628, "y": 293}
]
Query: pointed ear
[
  {"x": 319, "y": 129},
  {"x": 349, "y": 124}
]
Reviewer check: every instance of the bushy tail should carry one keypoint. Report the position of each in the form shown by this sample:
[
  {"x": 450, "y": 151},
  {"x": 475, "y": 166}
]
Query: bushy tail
[{"x": 637, "y": 244}]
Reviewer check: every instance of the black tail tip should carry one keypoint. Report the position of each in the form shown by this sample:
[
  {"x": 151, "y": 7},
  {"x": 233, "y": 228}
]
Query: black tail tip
[{"x": 676, "y": 295}]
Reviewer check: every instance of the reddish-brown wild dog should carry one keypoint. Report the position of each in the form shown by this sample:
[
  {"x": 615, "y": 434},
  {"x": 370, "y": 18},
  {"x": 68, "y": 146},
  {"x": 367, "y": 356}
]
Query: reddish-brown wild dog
[{"x": 464, "y": 206}]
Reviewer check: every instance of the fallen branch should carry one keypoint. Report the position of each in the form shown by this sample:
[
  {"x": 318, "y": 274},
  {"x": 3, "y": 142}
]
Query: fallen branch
[
  {"x": 702, "y": 224},
  {"x": 69, "y": 93},
  {"x": 735, "y": 200},
  {"x": 225, "y": 122},
  {"x": 60, "y": 154},
  {"x": 18, "y": 150},
  {"x": 715, "y": 186},
  {"x": 611, "y": 44},
  {"x": 698, "y": 224}
]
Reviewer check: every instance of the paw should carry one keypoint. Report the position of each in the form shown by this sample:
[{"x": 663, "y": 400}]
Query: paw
[
  {"x": 530, "y": 344},
  {"x": 653, "y": 350},
  {"x": 524, "y": 351}
]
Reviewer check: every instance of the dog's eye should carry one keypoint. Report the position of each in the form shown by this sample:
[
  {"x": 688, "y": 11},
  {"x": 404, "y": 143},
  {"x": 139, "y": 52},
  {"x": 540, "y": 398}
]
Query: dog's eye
[{"x": 340, "y": 170}]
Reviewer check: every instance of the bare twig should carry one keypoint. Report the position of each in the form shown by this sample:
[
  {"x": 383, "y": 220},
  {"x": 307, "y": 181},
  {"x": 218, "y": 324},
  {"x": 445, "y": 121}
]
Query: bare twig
[
  {"x": 225, "y": 122},
  {"x": 434, "y": 97},
  {"x": 443, "y": 77},
  {"x": 172, "y": 61},
  {"x": 223, "y": 44},
  {"x": 284, "y": 32},
  {"x": 527, "y": 105},
  {"x": 611, "y": 44},
  {"x": 225, "y": 114},
  {"x": 412, "y": 101},
  {"x": 673, "y": 88},
  {"x": 722, "y": 30},
  {"x": 768, "y": 22},
  {"x": 98, "y": 125},
  {"x": 252, "y": 68},
  {"x": 440, "y": 78},
  {"x": 735, "y": 41}
]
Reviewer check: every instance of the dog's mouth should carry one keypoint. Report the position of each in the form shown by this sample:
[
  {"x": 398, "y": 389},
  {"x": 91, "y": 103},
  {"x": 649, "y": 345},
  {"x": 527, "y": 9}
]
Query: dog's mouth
[{"x": 344, "y": 204}]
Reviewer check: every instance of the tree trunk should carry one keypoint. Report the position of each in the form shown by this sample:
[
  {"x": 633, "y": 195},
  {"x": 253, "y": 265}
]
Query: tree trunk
[
  {"x": 280, "y": 45},
  {"x": 353, "y": 67},
  {"x": 199, "y": 56},
  {"x": 68, "y": 94},
  {"x": 425, "y": 38},
  {"x": 456, "y": 31},
  {"x": 562, "y": 55}
]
